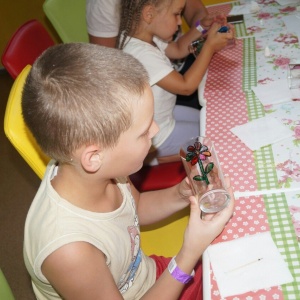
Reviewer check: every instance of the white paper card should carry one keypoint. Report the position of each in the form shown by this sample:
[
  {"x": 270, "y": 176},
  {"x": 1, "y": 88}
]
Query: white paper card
[
  {"x": 245, "y": 9},
  {"x": 293, "y": 24},
  {"x": 286, "y": 2},
  {"x": 261, "y": 132},
  {"x": 275, "y": 92},
  {"x": 247, "y": 264}
]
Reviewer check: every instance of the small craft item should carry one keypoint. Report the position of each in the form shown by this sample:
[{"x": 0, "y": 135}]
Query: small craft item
[{"x": 203, "y": 169}]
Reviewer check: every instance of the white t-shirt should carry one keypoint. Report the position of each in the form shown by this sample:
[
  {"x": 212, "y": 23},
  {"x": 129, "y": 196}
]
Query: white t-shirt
[
  {"x": 158, "y": 66},
  {"x": 103, "y": 17}
]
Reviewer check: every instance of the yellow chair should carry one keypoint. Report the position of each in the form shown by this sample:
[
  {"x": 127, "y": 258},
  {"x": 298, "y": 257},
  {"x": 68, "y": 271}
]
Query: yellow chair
[
  {"x": 18, "y": 133},
  {"x": 163, "y": 239},
  {"x": 184, "y": 27},
  {"x": 5, "y": 291}
]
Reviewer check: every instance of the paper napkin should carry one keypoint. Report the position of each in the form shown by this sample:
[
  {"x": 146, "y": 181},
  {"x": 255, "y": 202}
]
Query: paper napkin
[
  {"x": 261, "y": 132},
  {"x": 292, "y": 23},
  {"x": 286, "y": 2},
  {"x": 275, "y": 92},
  {"x": 244, "y": 9},
  {"x": 247, "y": 264}
]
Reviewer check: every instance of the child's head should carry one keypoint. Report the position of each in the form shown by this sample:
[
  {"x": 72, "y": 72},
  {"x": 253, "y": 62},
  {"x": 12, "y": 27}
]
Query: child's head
[
  {"x": 81, "y": 94},
  {"x": 131, "y": 14}
]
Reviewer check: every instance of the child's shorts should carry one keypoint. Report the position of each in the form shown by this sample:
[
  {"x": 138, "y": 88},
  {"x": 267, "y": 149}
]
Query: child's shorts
[{"x": 192, "y": 290}]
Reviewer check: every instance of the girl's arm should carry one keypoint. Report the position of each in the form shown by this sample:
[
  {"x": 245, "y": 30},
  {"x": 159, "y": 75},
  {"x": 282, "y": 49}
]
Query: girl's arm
[
  {"x": 179, "y": 49},
  {"x": 186, "y": 84}
]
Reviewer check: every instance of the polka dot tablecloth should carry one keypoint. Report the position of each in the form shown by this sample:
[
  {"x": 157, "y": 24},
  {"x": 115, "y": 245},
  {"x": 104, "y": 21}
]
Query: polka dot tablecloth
[
  {"x": 224, "y": 93},
  {"x": 230, "y": 102}
]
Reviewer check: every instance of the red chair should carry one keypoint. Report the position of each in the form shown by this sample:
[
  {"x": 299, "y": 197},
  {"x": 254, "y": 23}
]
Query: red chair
[
  {"x": 158, "y": 177},
  {"x": 27, "y": 43}
]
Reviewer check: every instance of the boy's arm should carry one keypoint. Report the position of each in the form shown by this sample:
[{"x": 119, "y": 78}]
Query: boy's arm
[
  {"x": 157, "y": 205},
  {"x": 197, "y": 237},
  {"x": 78, "y": 271}
]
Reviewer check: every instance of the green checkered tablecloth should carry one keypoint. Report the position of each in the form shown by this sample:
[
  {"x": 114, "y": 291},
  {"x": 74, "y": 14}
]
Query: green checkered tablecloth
[{"x": 279, "y": 217}]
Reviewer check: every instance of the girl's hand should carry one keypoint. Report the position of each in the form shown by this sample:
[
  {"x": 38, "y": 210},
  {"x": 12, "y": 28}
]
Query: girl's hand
[{"x": 217, "y": 40}]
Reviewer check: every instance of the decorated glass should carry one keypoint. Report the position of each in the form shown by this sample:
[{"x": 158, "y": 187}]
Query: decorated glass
[
  {"x": 196, "y": 46},
  {"x": 203, "y": 169},
  {"x": 294, "y": 74}
]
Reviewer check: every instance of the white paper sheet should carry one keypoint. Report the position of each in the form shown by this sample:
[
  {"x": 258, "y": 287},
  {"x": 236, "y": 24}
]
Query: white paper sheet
[
  {"x": 293, "y": 24},
  {"x": 286, "y": 2},
  {"x": 245, "y": 9},
  {"x": 261, "y": 132},
  {"x": 247, "y": 264},
  {"x": 275, "y": 92}
]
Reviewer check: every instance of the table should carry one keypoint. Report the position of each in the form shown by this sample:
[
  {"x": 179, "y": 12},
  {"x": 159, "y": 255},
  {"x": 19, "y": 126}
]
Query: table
[{"x": 229, "y": 101}]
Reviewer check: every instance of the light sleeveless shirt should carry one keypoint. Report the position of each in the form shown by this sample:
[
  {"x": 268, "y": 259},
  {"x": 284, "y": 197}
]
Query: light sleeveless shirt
[{"x": 53, "y": 222}]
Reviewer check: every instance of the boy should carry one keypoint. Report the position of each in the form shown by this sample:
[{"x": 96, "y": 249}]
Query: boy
[{"x": 90, "y": 108}]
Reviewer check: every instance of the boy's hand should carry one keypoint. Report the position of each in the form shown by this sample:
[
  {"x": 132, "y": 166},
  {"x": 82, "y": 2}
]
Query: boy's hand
[
  {"x": 185, "y": 190},
  {"x": 201, "y": 232}
]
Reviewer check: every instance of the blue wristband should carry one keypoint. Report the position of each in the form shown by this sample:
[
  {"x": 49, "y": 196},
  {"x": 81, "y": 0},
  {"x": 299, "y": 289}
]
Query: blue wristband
[{"x": 178, "y": 274}]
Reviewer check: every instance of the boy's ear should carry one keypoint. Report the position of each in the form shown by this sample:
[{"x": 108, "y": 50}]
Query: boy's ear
[
  {"x": 91, "y": 158},
  {"x": 148, "y": 13}
]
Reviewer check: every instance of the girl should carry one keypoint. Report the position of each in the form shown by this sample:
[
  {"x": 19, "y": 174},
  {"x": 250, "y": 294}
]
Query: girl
[{"x": 146, "y": 31}]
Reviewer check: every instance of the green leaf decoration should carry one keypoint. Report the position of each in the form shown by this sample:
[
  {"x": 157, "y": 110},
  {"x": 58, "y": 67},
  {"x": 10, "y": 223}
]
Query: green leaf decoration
[
  {"x": 189, "y": 156},
  {"x": 209, "y": 167},
  {"x": 199, "y": 178}
]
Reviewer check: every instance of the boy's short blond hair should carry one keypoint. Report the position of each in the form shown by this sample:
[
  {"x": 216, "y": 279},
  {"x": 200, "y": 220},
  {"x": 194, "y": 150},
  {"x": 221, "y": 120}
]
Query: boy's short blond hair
[{"x": 81, "y": 94}]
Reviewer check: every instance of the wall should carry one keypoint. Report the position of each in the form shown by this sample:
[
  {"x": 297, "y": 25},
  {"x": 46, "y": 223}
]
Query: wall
[{"x": 14, "y": 13}]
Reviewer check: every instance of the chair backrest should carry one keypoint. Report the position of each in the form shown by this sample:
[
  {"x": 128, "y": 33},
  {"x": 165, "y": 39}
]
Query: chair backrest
[
  {"x": 5, "y": 291},
  {"x": 27, "y": 43},
  {"x": 68, "y": 19},
  {"x": 18, "y": 133}
]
